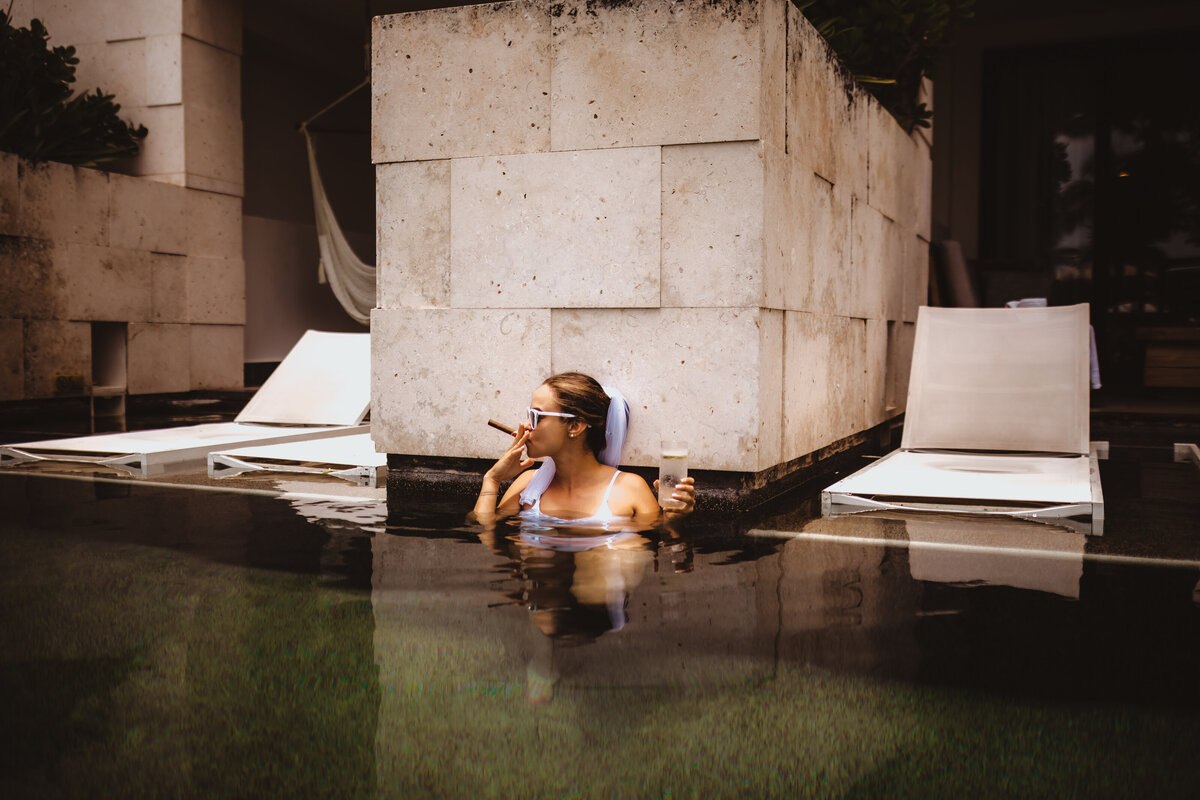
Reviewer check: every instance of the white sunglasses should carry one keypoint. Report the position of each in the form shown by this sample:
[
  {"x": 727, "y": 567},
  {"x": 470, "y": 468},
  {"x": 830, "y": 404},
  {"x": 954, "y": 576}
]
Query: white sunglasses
[{"x": 534, "y": 416}]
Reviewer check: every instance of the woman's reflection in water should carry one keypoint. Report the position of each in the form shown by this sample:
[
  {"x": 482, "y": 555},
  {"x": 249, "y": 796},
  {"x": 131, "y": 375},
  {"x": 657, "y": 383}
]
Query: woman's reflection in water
[{"x": 577, "y": 582}]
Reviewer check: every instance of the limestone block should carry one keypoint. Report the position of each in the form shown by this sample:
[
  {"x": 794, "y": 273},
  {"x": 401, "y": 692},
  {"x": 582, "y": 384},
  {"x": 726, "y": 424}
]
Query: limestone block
[
  {"x": 62, "y": 203},
  {"x": 820, "y": 112},
  {"x": 773, "y": 102},
  {"x": 853, "y": 155},
  {"x": 58, "y": 358},
  {"x": 31, "y": 281},
  {"x": 785, "y": 229},
  {"x": 214, "y": 224},
  {"x": 216, "y": 290},
  {"x": 875, "y": 389},
  {"x": 916, "y": 276},
  {"x": 70, "y": 22},
  {"x": 824, "y": 394},
  {"x": 12, "y": 361},
  {"x": 147, "y": 215},
  {"x": 162, "y": 150},
  {"x": 10, "y": 195},
  {"x": 656, "y": 72},
  {"x": 901, "y": 336},
  {"x": 439, "y": 374},
  {"x": 124, "y": 73},
  {"x": 878, "y": 263},
  {"x": 834, "y": 284},
  {"x": 168, "y": 288},
  {"x": 922, "y": 191},
  {"x": 217, "y": 356},
  {"x": 106, "y": 283},
  {"x": 157, "y": 358},
  {"x": 412, "y": 202},
  {"x": 128, "y": 19},
  {"x": 164, "y": 70},
  {"x": 217, "y": 22},
  {"x": 712, "y": 225},
  {"x": 459, "y": 82},
  {"x": 708, "y": 375},
  {"x": 891, "y": 167},
  {"x": 212, "y": 78},
  {"x": 213, "y": 144},
  {"x": 565, "y": 230}
]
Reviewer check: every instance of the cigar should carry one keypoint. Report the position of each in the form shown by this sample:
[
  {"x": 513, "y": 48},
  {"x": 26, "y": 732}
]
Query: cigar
[{"x": 500, "y": 426}]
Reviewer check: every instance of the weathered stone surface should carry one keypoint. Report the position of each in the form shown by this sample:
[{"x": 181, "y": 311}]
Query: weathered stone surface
[
  {"x": 573, "y": 230},
  {"x": 877, "y": 263},
  {"x": 412, "y": 202},
  {"x": 214, "y": 224},
  {"x": 62, "y": 203},
  {"x": 168, "y": 292},
  {"x": 216, "y": 290},
  {"x": 211, "y": 78},
  {"x": 158, "y": 358},
  {"x": 32, "y": 285},
  {"x": 707, "y": 375},
  {"x": 10, "y": 194},
  {"x": 875, "y": 395},
  {"x": 833, "y": 283},
  {"x": 162, "y": 152},
  {"x": 712, "y": 225},
  {"x": 58, "y": 358},
  {"x": 773, "y": 103},
  {"x": 456, "y": 82},
  {"x": 471, "y": 365},
  {"x": 213, "y": 145},
  {"x": 164, "y": 70},
  {"x": 655, "y": 72},
  {"x": 923, "y": 200},
  {"x": 819, "y": 97},
  {"x": 147, "y": 215},
  {"x": 217, "y": 22},
  {"x": 106, "y": 283},
  {"x": 901, "y": 336},
  {"x": 12, "y": 360},
  {"x": 824, "y": 381},
  {"x": 891, "y": 168},
  {"x": 217, "y": 355},
  {"x": 915, "y": 276}
]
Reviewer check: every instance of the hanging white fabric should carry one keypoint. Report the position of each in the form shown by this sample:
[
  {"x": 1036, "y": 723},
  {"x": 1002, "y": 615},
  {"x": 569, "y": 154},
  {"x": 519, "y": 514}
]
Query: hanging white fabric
[{"x": 352, "y": 280}]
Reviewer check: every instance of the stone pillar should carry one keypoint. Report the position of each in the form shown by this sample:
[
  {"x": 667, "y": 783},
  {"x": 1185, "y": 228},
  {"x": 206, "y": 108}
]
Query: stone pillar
[{"x": 688, "y": 200}]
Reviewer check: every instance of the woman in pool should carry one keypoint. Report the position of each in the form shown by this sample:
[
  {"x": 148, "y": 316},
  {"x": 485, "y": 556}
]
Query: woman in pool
[{"x": 579, "y": 428}]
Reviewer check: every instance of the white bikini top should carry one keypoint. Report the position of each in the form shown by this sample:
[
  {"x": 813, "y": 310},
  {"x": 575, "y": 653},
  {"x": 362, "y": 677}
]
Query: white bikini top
[{"x": 600, "y": 518}]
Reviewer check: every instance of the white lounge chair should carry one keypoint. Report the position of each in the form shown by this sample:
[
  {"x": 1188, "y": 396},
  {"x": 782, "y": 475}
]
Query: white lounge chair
[
  {"x": 321, "y": 389},
  {"x": 351, "y": 458},
  {"x": 996, "y": 421}
]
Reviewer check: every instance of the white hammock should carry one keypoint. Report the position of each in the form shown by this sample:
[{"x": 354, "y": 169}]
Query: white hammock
[{"x": 352, "y": 280}]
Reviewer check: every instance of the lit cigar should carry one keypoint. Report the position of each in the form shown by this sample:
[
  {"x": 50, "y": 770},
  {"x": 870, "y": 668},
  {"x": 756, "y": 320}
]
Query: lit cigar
[{"x": 501, "y": 427}]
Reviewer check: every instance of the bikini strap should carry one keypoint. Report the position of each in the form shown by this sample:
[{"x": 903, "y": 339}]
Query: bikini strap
[{"x": 608, "y": 491}]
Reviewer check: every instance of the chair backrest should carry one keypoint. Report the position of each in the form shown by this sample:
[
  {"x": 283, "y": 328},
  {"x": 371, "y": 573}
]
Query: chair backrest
[
  {"x": 324, "y": 380},
  {"x": 1006, "y": 379}
]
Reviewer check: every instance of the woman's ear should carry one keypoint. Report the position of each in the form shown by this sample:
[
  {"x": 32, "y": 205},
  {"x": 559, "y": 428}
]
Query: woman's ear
[{"x": 577, "y": 428}]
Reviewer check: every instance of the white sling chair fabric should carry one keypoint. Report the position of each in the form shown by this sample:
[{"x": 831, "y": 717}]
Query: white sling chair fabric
[
  {"x": 351, "y": 458},
  {"x": 321, "y": 389},
  {"x": 351, "y": 278},
  {"x": 996, "y": 421}
]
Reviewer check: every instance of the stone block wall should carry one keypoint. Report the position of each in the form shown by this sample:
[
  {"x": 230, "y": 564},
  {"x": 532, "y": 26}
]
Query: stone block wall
[
  {"x": 174, "y": 66},
  {"x": 81, "y": 246},
  {"x": 689, "y": 200}
]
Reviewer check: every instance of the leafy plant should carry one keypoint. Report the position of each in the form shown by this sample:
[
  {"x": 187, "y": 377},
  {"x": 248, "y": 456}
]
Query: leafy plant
[
  {"x": 39, "y": 119},
  {"x": 889, "y": 45}
]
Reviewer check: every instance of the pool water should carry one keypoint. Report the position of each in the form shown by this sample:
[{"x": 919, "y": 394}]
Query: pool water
[{"x": 162, "y": 641}]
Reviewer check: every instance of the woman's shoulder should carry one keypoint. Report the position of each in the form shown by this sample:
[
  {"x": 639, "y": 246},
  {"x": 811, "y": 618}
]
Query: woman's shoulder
[{"x": 632, "y": 483}]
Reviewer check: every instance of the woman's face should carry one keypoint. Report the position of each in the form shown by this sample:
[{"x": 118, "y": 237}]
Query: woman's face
[{"x": 551, "y": 432}]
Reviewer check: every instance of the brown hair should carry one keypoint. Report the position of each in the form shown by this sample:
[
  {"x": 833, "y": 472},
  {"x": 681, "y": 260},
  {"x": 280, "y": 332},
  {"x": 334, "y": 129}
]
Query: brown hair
[{"x": 583, "y": 396}]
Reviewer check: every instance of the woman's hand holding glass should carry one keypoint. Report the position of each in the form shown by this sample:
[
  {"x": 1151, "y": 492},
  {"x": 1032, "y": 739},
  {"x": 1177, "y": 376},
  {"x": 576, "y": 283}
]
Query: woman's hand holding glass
[{"x": 685, "y": 493}]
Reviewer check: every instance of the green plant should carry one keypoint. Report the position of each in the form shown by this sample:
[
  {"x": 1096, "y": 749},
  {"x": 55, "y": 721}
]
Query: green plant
[
  {"x": 39, "y": 119},
  {"x": 889, "y": 45}
]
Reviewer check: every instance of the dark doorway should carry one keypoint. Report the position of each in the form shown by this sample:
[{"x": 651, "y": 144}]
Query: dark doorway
[{"x": 1091, "y": 193}]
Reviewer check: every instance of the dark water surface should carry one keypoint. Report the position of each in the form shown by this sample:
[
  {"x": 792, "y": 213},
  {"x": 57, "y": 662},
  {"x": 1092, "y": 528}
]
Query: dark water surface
[{"x": 161, "y": 642}]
